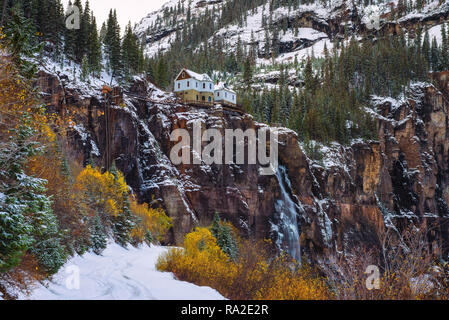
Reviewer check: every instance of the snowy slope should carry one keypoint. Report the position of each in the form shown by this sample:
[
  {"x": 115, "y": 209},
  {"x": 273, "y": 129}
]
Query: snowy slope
[
  {"x": 160, "y": 33},
  {"x": 303, "y": 31},
  {"x": 120, "y": 274},
  {"x": 435, "y": 32}
]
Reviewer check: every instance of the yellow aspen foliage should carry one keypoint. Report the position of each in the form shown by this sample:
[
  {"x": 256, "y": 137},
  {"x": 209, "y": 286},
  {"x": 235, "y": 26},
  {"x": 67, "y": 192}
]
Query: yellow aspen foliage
[
  {"x": 152, "y": 220},
  {"x": 102, "y": 191},
  {"x": 201, "y": 262},
  {"x": 254, "y": 275},
  {"x": 108, "y": 196},
  {"x": 287, "y": 284}
]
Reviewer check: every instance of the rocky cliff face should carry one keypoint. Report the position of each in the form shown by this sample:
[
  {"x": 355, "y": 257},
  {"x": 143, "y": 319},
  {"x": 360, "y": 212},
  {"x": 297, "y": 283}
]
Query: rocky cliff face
[{"x": 350, "y": 197}]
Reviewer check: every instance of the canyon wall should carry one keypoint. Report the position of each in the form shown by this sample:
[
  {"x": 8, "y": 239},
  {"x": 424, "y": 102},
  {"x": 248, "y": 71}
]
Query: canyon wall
[{"x": 349, "y": 198}]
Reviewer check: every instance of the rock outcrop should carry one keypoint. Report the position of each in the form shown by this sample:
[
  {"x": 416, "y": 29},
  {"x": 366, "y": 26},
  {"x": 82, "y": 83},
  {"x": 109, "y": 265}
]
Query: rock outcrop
[{"x": 348, "y": 199}]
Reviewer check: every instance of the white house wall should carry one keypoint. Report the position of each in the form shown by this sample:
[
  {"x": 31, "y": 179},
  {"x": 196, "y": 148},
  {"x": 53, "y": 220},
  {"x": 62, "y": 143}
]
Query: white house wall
[
  {"x": 209, "y": 86},
  {"x": 183, "y": 85},
  {"x": 223, "y": 95},
  {"x": 193, "y": 84}
]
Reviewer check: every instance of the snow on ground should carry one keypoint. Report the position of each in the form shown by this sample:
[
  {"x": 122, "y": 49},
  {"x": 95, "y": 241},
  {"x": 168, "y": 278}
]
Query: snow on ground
[
  {"x": 435, "y": 32},
  {"x": 429, "y": 9},
  {"x": 160, "y": 46},
  {"x": 316, "y": 50},
  {"x": 303, "y": 33},
  {"x": 157, "y": 16},
  {"x": 253, "y": 27},
  {"x": 154, "y": 23},
  {"x": 119, "y": 274},
  {"x": 91, "y": 87}
]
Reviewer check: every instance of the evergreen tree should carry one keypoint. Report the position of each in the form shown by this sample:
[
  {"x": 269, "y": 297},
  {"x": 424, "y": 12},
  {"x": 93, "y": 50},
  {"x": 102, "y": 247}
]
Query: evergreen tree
[
  {"x": 98, "y": 237},
  {"x": 426, "y": 47},
  {"x": 215, "y": 229},
  {"x": 434, "y": 55},
  {"x": 247, "y": 73},
  {"x": 27, "y": 221},
  {"x": 223, "y": 234},
  {"x": 70, "y": 36},
  {"x": 113, "y": 44},
  {"x": 131, "y": 56},
  {"x": 162, "y": 74},
  {"x": 80, "y": 36},
  {"x": 444, "y": 49},
  {"x": 22, "y": 43},
  {"x": 94, "y": 54},
  {"x": 84, "y": 69}
]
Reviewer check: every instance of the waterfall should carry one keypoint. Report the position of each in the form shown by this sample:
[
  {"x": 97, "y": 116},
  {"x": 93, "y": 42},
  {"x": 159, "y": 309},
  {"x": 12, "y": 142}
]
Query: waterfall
[{"x": 287, "y": 209}]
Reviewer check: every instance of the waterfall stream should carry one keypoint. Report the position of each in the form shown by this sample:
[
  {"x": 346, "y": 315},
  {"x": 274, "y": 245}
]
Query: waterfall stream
[{"x": 287, "y": 211}]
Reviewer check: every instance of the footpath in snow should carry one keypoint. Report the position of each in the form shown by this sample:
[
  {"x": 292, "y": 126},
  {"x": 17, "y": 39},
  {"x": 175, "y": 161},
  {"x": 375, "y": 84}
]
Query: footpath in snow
[{"x": 119, "y": 274}]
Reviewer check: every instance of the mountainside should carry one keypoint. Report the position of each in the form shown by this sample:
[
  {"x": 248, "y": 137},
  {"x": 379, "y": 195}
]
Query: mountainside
[
  {"x": 310, "y": 66},
  {"x": 282, "y": 31},
  {"x": 354, "y": 95},
  {"x": 353, "y": 196}
]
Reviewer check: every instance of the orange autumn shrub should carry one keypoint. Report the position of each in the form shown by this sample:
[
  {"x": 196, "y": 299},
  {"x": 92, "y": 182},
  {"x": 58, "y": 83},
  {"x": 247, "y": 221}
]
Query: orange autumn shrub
[
  {"x": 56, "y": 170},
  {"x": 285, "y": 283},
  {"x": 21, "y": 278}
]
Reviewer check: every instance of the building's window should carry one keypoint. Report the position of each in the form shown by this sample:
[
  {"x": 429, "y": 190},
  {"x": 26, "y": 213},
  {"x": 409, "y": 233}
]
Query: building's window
[
  {"x": 204, "y": 86},
  {"x": 218, "y": 94},
  {"x": 188, "y": 84},
  {"x": 183, "y": 74},
  {"x": 210, "y": 99},
  {"x": 233, "y": 97},
  {"x": 226, "y": 94},
  {"x": 210, "y": 86},
  {"x": 197, "y": 98},
  {"x": 204, "y": 98},
  {"x": 179, "y": 86},
  {"x": 197, "y": 84}
]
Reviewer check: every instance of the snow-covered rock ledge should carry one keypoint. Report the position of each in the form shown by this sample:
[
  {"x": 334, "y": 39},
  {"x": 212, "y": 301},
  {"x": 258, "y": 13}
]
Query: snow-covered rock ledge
[{"x": 119, "y": 274}]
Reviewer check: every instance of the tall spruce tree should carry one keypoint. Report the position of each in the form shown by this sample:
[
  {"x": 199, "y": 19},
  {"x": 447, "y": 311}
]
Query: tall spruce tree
[
  {"x": 444, "y": 48},
  {"x": 113, "y": 44},
  {"x": 94, "y": 54},
  {"x": 130, "y": 52}
]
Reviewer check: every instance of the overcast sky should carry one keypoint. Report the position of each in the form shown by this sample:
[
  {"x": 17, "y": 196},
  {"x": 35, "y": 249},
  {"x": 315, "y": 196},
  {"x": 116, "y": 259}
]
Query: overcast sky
[{"x": 127, "y": 10}]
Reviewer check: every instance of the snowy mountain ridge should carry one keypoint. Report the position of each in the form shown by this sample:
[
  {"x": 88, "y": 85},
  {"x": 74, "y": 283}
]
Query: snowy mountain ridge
[{"x": 304, "y": 29}]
